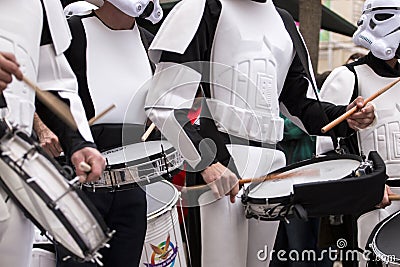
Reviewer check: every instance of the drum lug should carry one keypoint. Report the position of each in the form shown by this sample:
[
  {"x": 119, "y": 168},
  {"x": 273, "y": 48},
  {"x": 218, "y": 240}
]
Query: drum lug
[
  {"x": 74, "y": 181},
  {"x": 96, "y": 259}
]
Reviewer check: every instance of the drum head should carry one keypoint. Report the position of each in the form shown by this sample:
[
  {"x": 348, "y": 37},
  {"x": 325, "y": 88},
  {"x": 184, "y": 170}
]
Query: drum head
[
  {"x": 134, "y": 154},
  {"x": 161, "y": 197},
  {"x": 386, "y": 242},
  {"x": 308, "y": 171}
]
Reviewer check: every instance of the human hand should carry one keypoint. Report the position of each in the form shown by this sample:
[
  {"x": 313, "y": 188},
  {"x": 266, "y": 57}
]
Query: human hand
[
  {"x": 93, "y": 158},
  {"x": 385, "y": 201},
  {"x": 363, "y": 117},
  {"x": 47, "y": 139},
  {"x": 8, "y": 67},
  {"x": 221, "y": 180}
]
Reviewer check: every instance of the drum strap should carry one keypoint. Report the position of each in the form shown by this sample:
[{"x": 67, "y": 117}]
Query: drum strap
[{"x": 301, "y": 51}]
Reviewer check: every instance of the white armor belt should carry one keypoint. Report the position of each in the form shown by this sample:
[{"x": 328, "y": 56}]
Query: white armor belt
[{"x": 261, "y": 127}]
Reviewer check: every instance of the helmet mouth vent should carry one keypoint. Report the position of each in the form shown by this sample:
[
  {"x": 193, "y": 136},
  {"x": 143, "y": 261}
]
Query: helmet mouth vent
[{"x": 372, "y": 24}]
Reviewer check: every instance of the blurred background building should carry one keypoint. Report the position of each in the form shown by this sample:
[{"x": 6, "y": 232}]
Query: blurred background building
[{"x": 336, "y": 48}]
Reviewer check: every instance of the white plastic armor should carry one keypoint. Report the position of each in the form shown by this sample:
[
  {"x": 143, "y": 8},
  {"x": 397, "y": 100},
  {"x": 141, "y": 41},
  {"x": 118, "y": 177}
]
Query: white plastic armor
[
  {"x": 378, "y": 28},
  {"x": 45, "y": 65},
  {"x": 250, "y": 73},
  {"x": 173, "y": 86},
  {"x": 188, "y": 13},
  {"x": 128, "y": 75},
  {"x": 384, "y": 137}
]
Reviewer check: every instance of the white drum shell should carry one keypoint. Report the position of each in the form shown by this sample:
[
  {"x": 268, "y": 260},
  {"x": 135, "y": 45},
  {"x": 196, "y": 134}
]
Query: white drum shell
[{"x": 163, "y": 222}]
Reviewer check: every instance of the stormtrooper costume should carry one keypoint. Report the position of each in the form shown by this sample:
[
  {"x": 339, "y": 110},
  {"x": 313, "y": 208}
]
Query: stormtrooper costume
[
  {"x": 378, "y": 31},
  {"x": 38, "y": 39},
  {"x": 243, "y": 57},
  {"x": 111, "y": 66}
]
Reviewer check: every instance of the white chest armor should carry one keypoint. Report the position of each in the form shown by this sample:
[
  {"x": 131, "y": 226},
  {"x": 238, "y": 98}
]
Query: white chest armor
[
  {"x": 22, "y": 38},
  {"x": 252, "y": 52},
  {"x": 117, "y": 68},
  {"x": 384, "y": 137}
]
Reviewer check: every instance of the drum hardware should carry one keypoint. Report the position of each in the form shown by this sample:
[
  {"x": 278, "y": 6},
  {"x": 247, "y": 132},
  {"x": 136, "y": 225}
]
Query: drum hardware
[
  {"x": 164, "y": 157},
  {"x": 366, "y": 167},
  {"x": 351, "y": 111},
  {"x": 135, "y": 165}
]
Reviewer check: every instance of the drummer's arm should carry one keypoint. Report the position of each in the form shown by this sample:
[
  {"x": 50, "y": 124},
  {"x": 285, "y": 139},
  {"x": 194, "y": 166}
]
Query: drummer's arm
[
  {"x": 219, "y": 178},
  {"x": 297, "y": 104},
  {"x": 77, "y": 144}
]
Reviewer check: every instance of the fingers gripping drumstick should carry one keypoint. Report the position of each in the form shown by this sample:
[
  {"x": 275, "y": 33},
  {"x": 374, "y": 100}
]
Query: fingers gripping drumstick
[{"x": 340, "y": 119}]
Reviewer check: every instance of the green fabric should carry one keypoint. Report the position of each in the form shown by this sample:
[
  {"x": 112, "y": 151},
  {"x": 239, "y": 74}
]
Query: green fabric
[{"x": 296, "y": 144}]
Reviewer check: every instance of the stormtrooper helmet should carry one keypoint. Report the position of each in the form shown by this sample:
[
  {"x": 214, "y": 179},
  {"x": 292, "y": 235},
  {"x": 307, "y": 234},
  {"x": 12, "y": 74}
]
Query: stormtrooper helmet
[
  {"x": 79, "y": 8},
  {"x": 379, "y": 28},
  {"x": 148, "y": 9}
]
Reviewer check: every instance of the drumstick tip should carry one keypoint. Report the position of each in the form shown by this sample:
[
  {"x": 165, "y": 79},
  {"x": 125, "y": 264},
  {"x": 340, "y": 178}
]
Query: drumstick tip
[{"x": 83, "y": 166}]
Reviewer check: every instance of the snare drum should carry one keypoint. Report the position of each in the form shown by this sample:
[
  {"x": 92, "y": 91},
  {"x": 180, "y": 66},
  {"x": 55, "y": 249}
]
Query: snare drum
[
  {"x": 139, "y": 163},
  {"x": 315, "y": 188},
  {"x": 385, "y": 242},
  {"x": 163, "y": 244},
  {"x": 39, "y": 187}
]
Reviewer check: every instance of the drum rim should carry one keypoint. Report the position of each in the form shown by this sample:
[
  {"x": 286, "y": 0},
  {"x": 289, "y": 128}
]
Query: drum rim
[
  {"x": 21, "y": 173},
  {"x": 144, "y": 159},
  {"x": 374, "y": 246},
  {"x": 246, "y": 199},
  {"x": 168, "y": 206}
]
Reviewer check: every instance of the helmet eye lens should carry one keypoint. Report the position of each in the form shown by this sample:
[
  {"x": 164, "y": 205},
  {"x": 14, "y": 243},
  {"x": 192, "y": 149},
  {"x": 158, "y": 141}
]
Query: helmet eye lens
[{"x": 383, "y": 16}]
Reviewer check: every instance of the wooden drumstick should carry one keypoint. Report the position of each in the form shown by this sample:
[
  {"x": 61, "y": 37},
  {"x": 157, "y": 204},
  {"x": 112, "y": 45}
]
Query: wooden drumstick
[
  {"x": 148, "y": 132},
  {"x": 104, "y": 112},
  {"x": 59, "y": 108},
  {"x": 340, "y": 119},
  {"x": 278, "y": 176},
  {"x": 83, "y": 166},
  {"x": 268, "y": 177},
  {"x": 394, "y": 197}
]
